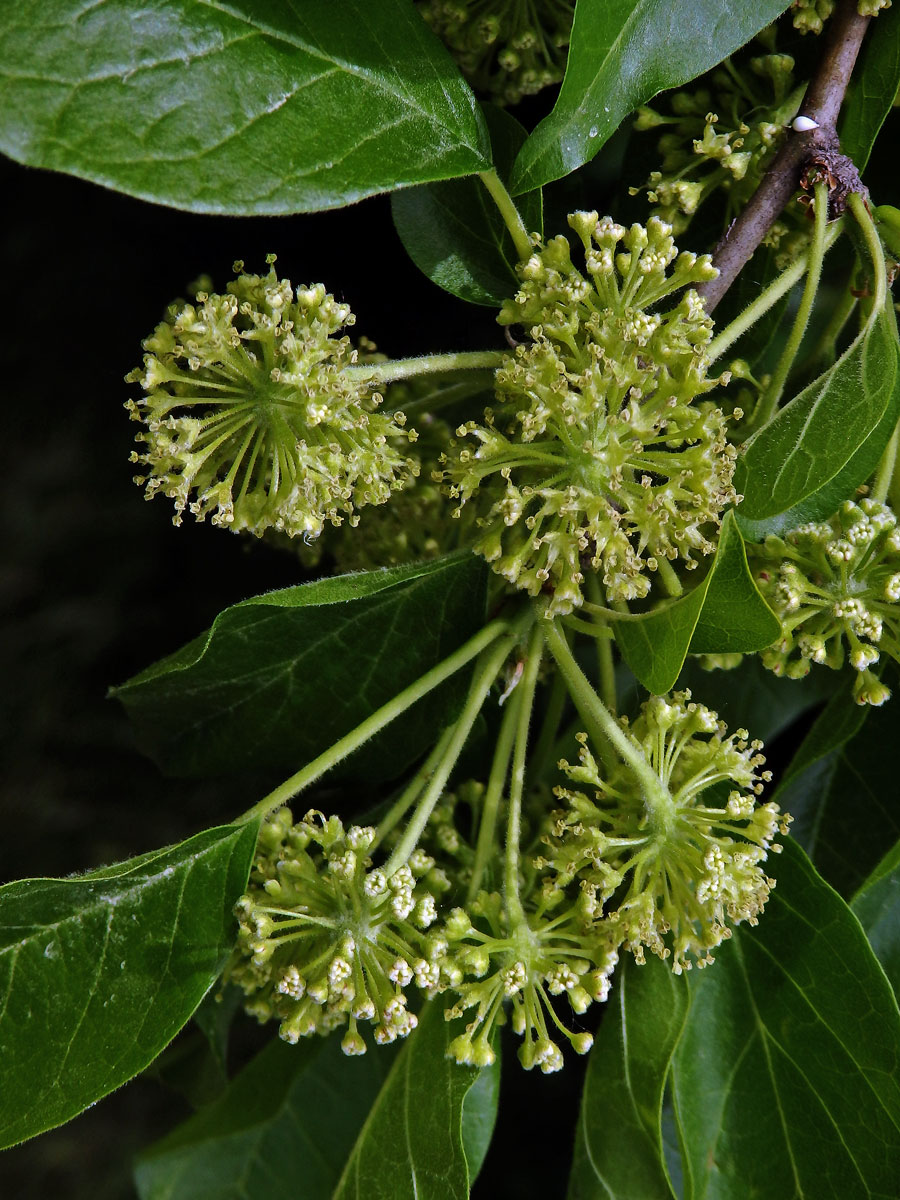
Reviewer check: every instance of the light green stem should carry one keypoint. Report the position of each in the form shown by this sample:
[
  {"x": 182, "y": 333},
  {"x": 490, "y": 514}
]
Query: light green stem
[
  {"x": 486, "y": 671},
  {"x": 487, "y": 828},
  {"x": 766, "y": 299},
  {"x": 427, "y": 364},
  {"x": 857, "y": 206},
  {"x": 606, "y": 671},
  {"x": 667, "y": 577},
  {"x": 885, "y": 474},
  {"x": 769, "y": 404},
  {"x": 411, "y": 792},
  {"x": 512, "y": 218},
  {"x": 602, "y": 724},
  {"x": 376, "y": 721},
  {"x": 514, "y": 911}
]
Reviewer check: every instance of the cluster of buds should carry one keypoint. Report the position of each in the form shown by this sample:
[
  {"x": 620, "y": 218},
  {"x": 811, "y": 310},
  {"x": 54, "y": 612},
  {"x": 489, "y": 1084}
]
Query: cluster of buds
[
  {"x": 677, "y": 862},
  {"x": 720, "y": 138},
  {"x": 328, "y": 940},
  {"x": 523, "y": 964},
  {"x": 809, "y": 16},
  {"x": 256, "y": 414},
  {"x": 503, "y": 47},
  {"x": 835, "y": 587},
  {"x": 598, "y": 453}
]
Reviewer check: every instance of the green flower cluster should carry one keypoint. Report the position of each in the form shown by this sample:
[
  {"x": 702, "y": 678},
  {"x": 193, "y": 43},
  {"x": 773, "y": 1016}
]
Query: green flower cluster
[
  {"x": 256, "y": 410},
  {"x": 597, "y": 454},
  {"x": 328, "y": 940},
  {"x": 835, "y": 586},
  {"x": 809, "y": 16},
  {"x": 720, "y": 138},
  {"x": 676, "y": 861},
  {"x": 508, "y": 48}
]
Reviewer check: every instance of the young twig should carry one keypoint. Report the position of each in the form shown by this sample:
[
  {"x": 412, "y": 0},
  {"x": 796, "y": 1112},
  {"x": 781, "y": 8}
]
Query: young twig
[{"x": 811, "y": 151}]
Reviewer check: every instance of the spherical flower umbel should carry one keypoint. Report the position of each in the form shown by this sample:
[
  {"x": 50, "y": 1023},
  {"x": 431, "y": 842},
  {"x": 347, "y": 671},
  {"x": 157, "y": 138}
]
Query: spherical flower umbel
[
  {"x": 508, "y": 48},
  {"x": 598, "y": 454},
  {"x": 326, "y": 939},
  {"x": 257, "y": 414},
  {"x": 835, "y": 585},
  {"x": 678, "y": 861}
]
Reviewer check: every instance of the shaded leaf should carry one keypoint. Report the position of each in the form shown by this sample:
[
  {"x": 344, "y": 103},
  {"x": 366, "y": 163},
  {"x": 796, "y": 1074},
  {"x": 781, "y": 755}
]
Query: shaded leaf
[
  {"x": 244, "y": 106},
  {"x": 99, "y": 972},
  {"x": 618, "y": 1140},
  {"x": 453, "y": 231},
  {"x": 877, "y": 908},
  {"x": 479, "y": 1114},
  {"x": 279, "y": 678},
  {"x": 411, "y": 1145},
  {"x": 795, "y": 470},
  {"x": 873, "y": 87},
  {"x": 723, "y": 613},
  {"x": 292, "y": 1114},
  {"x": 786, "y": 1078},
  {"x": 841, "y": 790},
  {"x": 621, "y": 54}
]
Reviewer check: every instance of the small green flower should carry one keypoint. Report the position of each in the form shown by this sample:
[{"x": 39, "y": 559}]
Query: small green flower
[
  {"x": 256, "y": 410},
  {"x": 597, "y": 455},
  {"x": 680, "y": 864},
  {"x": 509, "y": 48},
  {"x": 492, "y": 964},
  {"x": 720, "y": 138},
  {"x": 809, "y": 16},
  {"x": 835, "y": 586},
  {"x": 326, "y": 939}
]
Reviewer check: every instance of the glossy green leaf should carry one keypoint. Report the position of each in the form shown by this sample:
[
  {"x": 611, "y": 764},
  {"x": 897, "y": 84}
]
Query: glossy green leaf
[
  {"x": 723, "y": 613},
  {"x": 411, "y": 1146},
  {"x": 245, "y": 106},
  {"x": 841, "y": 790},
  {"x": 453, "y": 231},
  {"x": 618, "y": 1140},
  {"x": 98, "y": 972},
  {"x": 873, "y": 87},
  {"x": 877, "y": 908},
  {"x": 787, "y": 1077},
  {"x": 795, "y": 469},
  {"x": 279, "y": 678},
  {"x": 622, "y": 53},
  {"x": 292, "y": 1114}
]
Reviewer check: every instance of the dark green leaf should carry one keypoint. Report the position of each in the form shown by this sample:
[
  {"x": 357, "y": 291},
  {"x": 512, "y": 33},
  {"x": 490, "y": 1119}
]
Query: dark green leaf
[
  {"x": 618, "y": 1140},
  {"x": 841, "y": 790},
  {"x": 245, "y": 106},
  {"x": 100, "y": 971},
  {"x": 795, "y": 469},
  {"x": 723, "y": 613},
  {"x": 734, "y": 618},
  {"x": 622, "y": 53},
  {"x": 787, "y": 1076},
  {"x": 877, "y": 908},
  {"x": 750, "y": 697},
  {"x": 874, "y": 85},
  {"x": 453, "y": 231},
  {"x": 279, "y": 678},
  {"x": 479, "y": 1115},
  {"x": 411, "y": 1146},
  {"x": 293, "y": 1114}
]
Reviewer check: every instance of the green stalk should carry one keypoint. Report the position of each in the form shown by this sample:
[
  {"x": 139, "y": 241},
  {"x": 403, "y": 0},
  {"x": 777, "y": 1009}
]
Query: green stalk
[
  {"x": 486, "y": 671},
  {"x": 514, "y": 910},
  {"x": 512, "y": 218},
  {"x": 601, "y": 723},
  {"x": 606, "y": 671},
  {"x": 377, "y": 720},
  {"x": 427, "y": 364},
  {"x": 487, "y": 827},
  {"x": 769, "y": 403},
  {"x": 767, "y": 298},
  {"x": 667, "y": 577}
]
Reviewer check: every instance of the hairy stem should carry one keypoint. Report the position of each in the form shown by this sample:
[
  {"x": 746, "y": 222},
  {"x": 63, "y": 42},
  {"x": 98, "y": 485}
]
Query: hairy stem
[
  {"x": 512, "y": 218},
  {"x": 377, "y": 720},
  {"x": 487, "y": 827},
  {"x": 514, "y": 910},
  {"x": 487, "y": 669},
  {"x": 428, "y": 364},
  {"x": 770, "y": 400}
]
